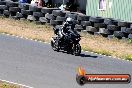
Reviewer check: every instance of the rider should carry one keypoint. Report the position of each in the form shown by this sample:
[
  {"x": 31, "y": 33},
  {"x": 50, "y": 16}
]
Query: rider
[{"x": 64, "y": 30}]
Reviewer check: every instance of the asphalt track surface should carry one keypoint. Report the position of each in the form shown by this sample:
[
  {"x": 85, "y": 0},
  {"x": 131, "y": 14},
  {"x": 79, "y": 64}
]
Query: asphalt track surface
[{"x": 35, "y": 64}]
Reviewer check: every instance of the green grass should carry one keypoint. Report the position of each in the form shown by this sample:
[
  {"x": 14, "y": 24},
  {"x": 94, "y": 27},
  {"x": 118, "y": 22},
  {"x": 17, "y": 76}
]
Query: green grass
[
  {"x": 128, "y": 57},
  {"x": 102, "y": 52}
]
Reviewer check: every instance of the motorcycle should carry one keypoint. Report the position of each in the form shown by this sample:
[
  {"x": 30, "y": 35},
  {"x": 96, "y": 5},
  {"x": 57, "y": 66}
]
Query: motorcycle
[{"x": 70, "y": 42}]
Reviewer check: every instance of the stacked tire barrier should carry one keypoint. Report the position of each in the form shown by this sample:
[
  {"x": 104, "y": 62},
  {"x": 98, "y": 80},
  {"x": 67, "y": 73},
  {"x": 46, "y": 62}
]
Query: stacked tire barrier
[{"x": 106, "y": 27}]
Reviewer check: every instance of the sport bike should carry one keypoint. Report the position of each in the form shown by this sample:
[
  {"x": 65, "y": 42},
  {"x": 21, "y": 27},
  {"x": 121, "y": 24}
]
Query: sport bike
[{"x": 69, "y": 43}]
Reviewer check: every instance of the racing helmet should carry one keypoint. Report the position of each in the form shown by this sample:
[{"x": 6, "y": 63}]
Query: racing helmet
[{"x": 69, "y": 20}]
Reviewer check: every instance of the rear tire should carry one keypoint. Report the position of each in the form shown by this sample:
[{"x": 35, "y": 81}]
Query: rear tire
[{"x": 54, "y": 46}]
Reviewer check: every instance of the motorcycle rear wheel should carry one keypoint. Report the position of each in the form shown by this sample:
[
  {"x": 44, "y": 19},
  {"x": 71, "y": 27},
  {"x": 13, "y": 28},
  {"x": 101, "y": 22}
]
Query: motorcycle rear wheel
[{"x": 54, "y": 46}]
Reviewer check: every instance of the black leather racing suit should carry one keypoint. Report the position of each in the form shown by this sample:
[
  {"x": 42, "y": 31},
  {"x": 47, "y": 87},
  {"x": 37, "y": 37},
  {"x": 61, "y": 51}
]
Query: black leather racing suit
[{"x": 64, "y": 30}]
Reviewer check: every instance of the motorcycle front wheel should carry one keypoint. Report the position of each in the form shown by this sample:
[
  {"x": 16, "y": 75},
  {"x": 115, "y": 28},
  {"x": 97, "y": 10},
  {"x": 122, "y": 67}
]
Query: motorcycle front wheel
[{"x": 76, "y": 49}]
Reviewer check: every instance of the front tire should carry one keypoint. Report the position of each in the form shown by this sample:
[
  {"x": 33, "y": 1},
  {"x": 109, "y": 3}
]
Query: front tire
[{"x": 76, "y": 49}]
